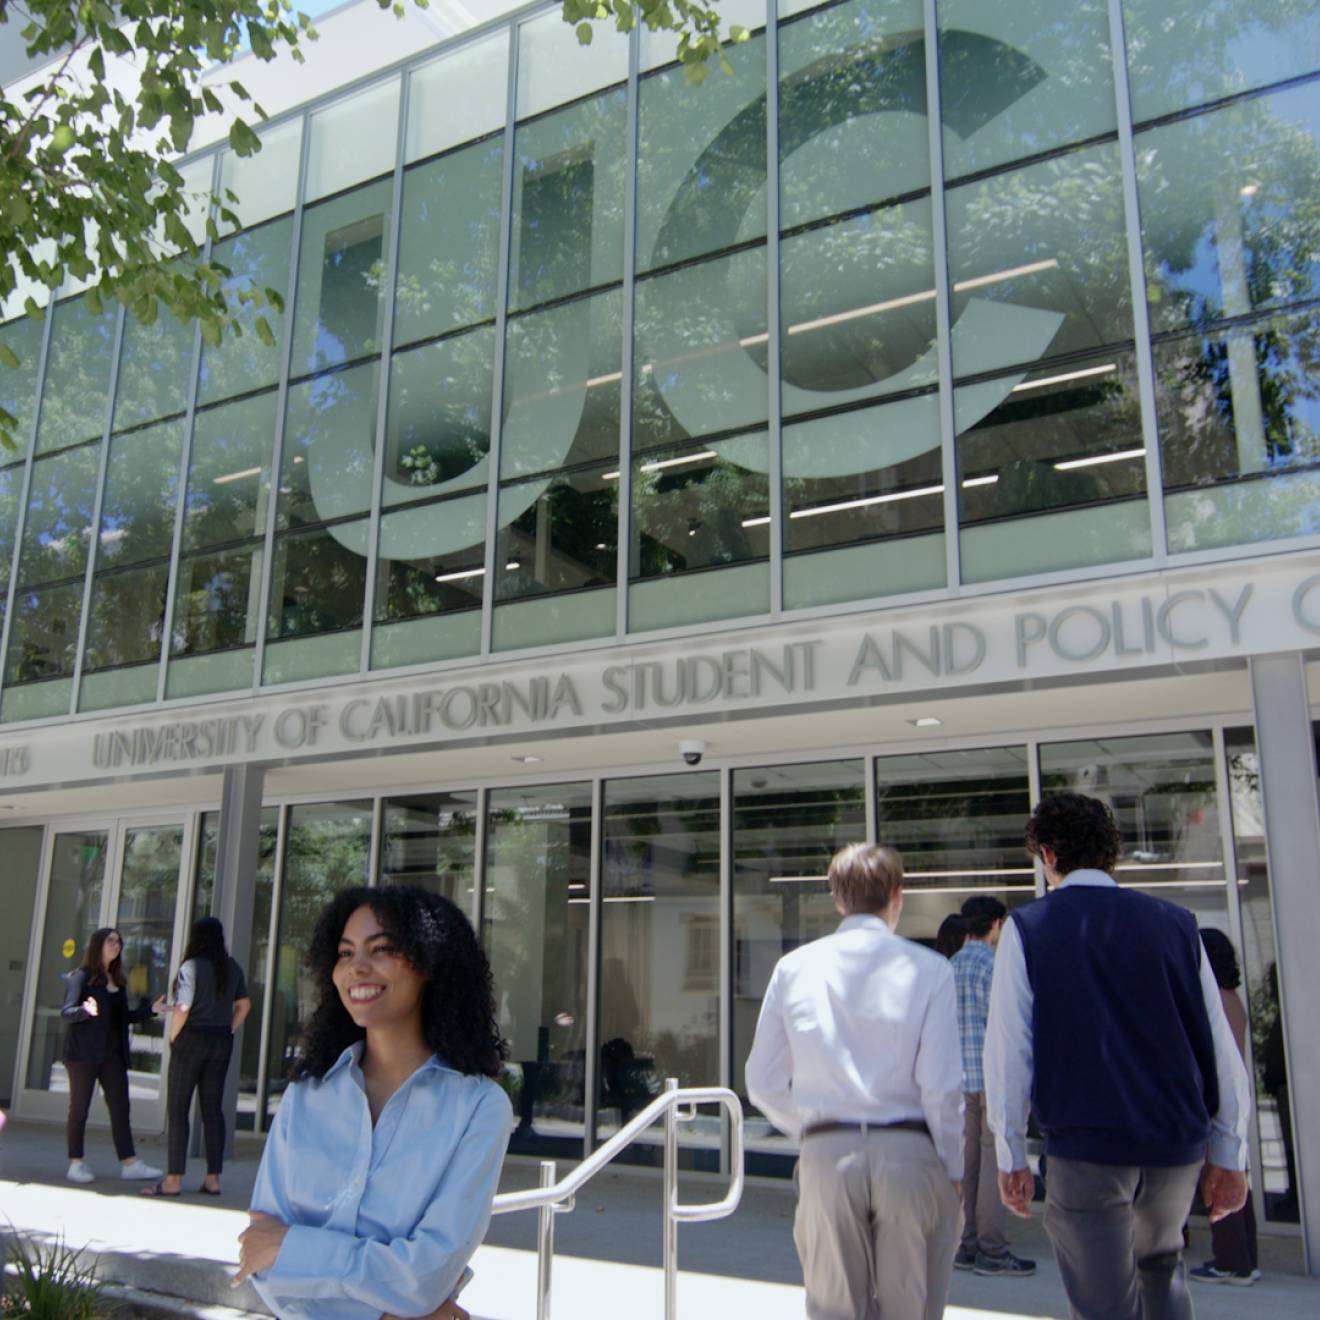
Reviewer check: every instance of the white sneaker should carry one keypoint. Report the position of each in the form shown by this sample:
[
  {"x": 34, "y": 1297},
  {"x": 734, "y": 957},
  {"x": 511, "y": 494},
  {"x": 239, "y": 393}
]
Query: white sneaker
[
  {"x": 138, "y": 1170},
  {"x": 79, "y": 1172}
]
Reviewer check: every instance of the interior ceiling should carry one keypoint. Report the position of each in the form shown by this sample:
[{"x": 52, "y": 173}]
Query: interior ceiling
[{"x": 1121, "y": 706}]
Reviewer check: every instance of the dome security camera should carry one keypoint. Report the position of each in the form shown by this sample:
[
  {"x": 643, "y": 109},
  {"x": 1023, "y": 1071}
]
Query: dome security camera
[{"x": 692, "y": 750}]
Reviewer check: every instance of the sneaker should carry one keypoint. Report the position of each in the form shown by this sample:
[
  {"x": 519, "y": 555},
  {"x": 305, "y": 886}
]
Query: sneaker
[
  {"x": 964, "y": 1260},
  {"x": 1008, "y": 1265},
  {"x": 136, "y": 1169},
  {"x": 79, "y": 1172},
  {"x": 1210, "y": 1273}
]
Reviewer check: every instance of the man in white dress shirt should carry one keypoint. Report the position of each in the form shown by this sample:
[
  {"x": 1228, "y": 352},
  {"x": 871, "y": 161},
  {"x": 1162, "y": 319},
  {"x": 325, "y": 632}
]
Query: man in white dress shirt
[
  {"x": 857, "y": 1055},
  {"x": 1106, "y": 1019}
]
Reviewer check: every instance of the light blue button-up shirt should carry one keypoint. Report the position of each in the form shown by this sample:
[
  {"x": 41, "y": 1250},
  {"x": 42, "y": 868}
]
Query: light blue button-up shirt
[{"x": 380, "y": 1219}]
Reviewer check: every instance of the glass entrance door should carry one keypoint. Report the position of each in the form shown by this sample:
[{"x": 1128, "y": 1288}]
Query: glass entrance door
[{"x": 120, "y": 874}]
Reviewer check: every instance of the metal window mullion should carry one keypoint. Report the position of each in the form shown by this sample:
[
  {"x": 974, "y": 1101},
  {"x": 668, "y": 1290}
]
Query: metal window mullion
[
  {"x": 589, "y": 1077},
  {"x": 185, "y": 461},
  {"x": 628, "y": 355},
  {"x": 281, "y": 405},
  {"x": 102, "y": 470},
  {"x": 774, "y": 347},
  {"x": 20, "y": 523},
  {"x": 1033, "y": 795},
  {"x": 272, "y": 949},
  {"x": 872, "y": 804},
  {"x": 726, "y": 952},
  {"x": 943, "y": 310},
  {"x": 1144, "y": 353},
  {"x": 383, "y": 385},
  {"x": 497, "y": 374},
  {"x": 375, "y": 848},
  {"x": 479, "y": 860}
]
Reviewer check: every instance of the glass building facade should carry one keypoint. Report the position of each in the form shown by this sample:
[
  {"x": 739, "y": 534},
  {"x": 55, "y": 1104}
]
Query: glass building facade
[
  {"x": 927, "y": 305},
  {"x": 919, "y": 301}
]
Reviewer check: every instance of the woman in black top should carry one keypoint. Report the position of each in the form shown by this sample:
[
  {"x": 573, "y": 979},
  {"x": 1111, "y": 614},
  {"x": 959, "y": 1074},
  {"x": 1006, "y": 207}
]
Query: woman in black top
[
  {"x": 96, "y": 1050},
  {"x": 210, "y": 1004}
]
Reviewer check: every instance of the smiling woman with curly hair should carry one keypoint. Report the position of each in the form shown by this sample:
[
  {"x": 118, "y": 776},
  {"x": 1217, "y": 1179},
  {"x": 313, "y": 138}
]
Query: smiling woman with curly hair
[{"x": 377, "y": 1179}]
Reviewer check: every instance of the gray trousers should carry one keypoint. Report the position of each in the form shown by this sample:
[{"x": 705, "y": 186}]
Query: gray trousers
[
  {"x": 1117, "y": 1236},
  {"x": 983, "y": 1211},
  {"x": 876, "y": 1228}
]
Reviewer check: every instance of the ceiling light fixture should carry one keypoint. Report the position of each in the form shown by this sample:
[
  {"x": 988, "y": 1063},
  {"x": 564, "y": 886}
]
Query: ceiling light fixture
[
  {"x": 459, "y": 576},
  {"x": 1071, "y": 464},
  {"x": 756, "y": 522},
  {"x": 235, "y": 476},
  {"x": 871, "y": 499},
  {"x": 1249, "y": 189},
  {"x": 1070, "y": 375},
  {"x": 926, "y": 722},
  {"x": 511, "y": 565},
  {"x": 663, "y": 463}
]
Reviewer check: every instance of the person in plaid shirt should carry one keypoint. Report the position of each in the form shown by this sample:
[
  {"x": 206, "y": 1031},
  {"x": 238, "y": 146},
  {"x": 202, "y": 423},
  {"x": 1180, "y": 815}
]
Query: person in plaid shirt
[{"x": 984, "y": 1246}]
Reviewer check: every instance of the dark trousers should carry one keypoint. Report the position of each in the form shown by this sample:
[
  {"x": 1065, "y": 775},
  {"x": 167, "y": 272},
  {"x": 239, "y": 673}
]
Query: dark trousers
[
  {"x": 1117, "y": 1236},
  {"x": 1233, "y": 1240},
  {"x": 113, "y": 1076},
  {"x": 199, "y": 1060}
]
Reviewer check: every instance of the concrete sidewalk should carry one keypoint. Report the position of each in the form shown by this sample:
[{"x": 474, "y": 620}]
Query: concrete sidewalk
[{"x": 607, "y": 1250}]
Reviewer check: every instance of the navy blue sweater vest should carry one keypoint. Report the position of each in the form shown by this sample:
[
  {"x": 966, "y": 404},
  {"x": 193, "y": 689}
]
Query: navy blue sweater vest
[{"x": 1124, "y": 1068}]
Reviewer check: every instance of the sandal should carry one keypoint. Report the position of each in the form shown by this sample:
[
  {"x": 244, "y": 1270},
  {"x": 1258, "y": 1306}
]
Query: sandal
[
  {"x": 158, "y": 1190},
  {"x": 210, "y": 1191}
]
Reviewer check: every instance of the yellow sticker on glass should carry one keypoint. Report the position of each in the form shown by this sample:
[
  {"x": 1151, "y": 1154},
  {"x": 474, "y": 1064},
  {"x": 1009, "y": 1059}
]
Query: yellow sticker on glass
[{"x": 68, "y": 948}]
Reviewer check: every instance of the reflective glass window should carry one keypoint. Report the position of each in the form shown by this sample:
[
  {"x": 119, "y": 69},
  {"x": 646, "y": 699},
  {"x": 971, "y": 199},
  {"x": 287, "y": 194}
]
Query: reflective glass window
[
  {"x": 538, "y": 869},
  {"x": 1038, "y": 259},
  {"x": 449, "y": 242},
  {"x": 569, "y": 172},
  {"x": 18, "y": 385},
  {"x": 852, "y": 108},
  {"x": 460, "y": 96},
  {"x": 353, "y": 139},
  {"x": 44, "y": 634},
  {"x": 141, "y": 494},
  {"x": 1182, "y": 54},
  {"x": 1260, "y": 971},
  {"x": 1239, "y": 416},
  {"x": 11, "y": 487},
  {"x": 659, "y": 954},
  {"x": 701, "y": 350},
  {"x": 155, "y": 369},
  {"x": 557, "y": 533},
  {"x": 126, "y": 618},
  {"x": 431, "y": 840},
  {"x": 1021, "y": 77},
  {"x": 857, "y": 302},
  {"x": 264, "y": 184},
  {"x": 329, "y": 441},
  {"x": 77, "y": 374},
  {"x": 341, "y": 278},
  {"x": 1161, "y": 789},
  {"x": 1038, "y": 444},
  {"x": 318, "y": 579},
  {"x": 58, "y": 529},
  {"x": 258, "y": 260},
  {"x": 327, "y": 847},
  {"x": 438, "y": 429},
  {"x": 700, "y": 508},
  {"x": 555, "y": 68},
  {"x": 229, "y": 472},
  {"x": 701, "y": 160},
  {"x": 561, "y": 386},
  {"x": 217, "y": 601},
  {"x": 1227, "y": 209},
  {"x": 788, "y": 821}
]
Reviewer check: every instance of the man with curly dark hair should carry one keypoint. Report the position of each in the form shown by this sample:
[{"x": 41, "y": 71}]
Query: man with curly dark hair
[
  {"x": 1106, "y": 1020},
  {"x": 376, "y": 1183}
]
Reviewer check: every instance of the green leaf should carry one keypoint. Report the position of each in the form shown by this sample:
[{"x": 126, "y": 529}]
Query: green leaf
[
  {"x": 583, "y": 31},
  {"x": 62, "y": 138},
  {"x": 264, "y": 332},
  {"x": 9, "y": 357},
  {"x": 243, "y": 140}
]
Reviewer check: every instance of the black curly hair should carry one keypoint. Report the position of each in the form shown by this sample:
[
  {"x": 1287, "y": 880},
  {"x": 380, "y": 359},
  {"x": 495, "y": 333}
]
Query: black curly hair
[
  {"x": 1222, "y": 957},
  {"x": 1080, "y": 830},
  {"x": 458, "y": 1002}
]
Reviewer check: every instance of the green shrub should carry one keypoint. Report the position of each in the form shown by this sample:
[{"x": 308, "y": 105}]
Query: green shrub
[{"x": 47, "y": 1283}]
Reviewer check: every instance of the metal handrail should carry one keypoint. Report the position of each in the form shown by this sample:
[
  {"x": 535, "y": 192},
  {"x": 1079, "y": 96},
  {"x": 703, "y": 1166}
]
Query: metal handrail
[{"x": 551, "y": 1198}]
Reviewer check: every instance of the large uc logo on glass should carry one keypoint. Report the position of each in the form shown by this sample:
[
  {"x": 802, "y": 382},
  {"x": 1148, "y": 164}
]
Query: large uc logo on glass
[{"x": 873, "y": 86}]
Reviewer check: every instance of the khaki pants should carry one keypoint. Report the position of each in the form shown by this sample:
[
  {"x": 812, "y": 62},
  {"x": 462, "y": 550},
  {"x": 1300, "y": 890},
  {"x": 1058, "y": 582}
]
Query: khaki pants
[
  {"x": 983, "y": 1211},
  {"x": 876, "y": 1228}
]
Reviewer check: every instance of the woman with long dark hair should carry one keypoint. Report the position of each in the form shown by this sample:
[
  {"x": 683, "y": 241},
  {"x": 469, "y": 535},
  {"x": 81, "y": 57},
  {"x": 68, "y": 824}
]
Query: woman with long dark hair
[
  {"x": 377, "y": 1179},
  {"x": 210, "y": 1004},
  {"x": 96, "y": 1050}
]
